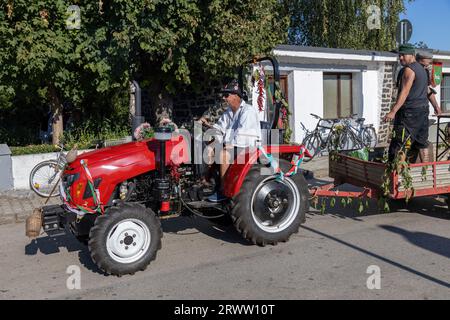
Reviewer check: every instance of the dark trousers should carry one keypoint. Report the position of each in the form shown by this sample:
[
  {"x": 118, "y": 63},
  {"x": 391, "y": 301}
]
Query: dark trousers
[{"x": 412, "y": 124}]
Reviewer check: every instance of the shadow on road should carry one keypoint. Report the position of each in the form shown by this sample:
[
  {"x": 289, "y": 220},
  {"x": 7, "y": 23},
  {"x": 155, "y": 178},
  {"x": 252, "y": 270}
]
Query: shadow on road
[
  {"x": 340, "y": 208},
  {"x": 430, "y": 206},
  {"x": 436, "y": 244},
  {"x": 184, "y": 226},
  {"x": 52, "y": 245},
  {"x": 384, "y": 259}
]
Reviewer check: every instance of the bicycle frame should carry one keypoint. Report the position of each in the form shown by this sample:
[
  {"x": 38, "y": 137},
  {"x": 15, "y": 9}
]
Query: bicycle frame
[{"x": 317, "y": 131}]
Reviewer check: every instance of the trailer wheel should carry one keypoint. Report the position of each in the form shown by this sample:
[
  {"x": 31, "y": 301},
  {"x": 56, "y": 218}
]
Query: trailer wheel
[
  {"x": 267, "y": 210},
  {"x": 125, "y": 239}
]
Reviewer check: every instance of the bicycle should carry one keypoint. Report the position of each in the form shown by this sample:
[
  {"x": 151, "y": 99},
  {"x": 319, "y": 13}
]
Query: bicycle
[
  {"x": 366, "y": 133},
  {"x": 348, "y": 137},
  {"x": 45, "y": 175},
  {"x": 320, "y": 138}
]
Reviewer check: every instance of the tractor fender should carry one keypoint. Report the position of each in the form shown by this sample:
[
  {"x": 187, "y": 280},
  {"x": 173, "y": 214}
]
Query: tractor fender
[{"x": 237, "y": 172}]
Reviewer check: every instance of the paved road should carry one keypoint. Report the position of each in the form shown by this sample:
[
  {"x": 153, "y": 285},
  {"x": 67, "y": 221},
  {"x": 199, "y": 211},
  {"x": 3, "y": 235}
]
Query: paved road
[{"x": 327, "y": 259}]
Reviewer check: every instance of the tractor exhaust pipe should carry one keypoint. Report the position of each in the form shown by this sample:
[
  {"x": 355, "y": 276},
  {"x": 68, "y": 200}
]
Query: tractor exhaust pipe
[
  {"x": 138, "y": 119},
  {"x": 163, "y": 134}
]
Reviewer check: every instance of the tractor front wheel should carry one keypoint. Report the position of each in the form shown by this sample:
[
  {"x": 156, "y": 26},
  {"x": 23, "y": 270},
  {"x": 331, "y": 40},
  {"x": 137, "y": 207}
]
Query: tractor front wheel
[
  {"x": 268, "y": 210},
  {"x": 125, "y": 239}
]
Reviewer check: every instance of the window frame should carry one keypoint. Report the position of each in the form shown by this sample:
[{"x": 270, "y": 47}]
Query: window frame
[{"x": 339, "y": 106}]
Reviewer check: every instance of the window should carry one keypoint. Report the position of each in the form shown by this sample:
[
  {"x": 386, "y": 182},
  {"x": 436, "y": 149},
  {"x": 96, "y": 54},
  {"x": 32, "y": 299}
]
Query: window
[
  {"x": 445, "y": 92},
  {"x": 337, "y": 95}
]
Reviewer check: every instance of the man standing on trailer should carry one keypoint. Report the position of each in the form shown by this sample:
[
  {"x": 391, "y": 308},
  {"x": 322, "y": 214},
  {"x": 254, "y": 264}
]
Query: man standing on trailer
[{"x": 411, "y": 111}]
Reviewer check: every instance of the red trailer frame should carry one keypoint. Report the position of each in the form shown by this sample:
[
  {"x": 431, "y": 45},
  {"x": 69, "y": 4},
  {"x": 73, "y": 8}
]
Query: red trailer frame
[{"x": 361, "y": 174}]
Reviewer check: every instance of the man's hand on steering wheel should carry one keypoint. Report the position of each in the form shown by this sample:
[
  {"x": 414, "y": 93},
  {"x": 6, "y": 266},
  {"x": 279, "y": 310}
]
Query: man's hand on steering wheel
[{"x": 205, "y": 123}]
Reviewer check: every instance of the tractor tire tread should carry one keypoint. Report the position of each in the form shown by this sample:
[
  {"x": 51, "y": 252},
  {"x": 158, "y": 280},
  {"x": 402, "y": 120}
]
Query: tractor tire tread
[
  {"x": 98, "y": 234},
  {"x": 242, "y": 219}
]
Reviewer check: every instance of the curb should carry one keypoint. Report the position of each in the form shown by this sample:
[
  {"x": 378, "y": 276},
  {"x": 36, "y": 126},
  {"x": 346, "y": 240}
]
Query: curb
[{"x": 16, "y": 206}]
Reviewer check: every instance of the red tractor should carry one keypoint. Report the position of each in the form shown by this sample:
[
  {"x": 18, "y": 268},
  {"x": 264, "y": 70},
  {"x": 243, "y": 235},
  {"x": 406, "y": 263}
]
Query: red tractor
[{"x": 114, "y": 198}]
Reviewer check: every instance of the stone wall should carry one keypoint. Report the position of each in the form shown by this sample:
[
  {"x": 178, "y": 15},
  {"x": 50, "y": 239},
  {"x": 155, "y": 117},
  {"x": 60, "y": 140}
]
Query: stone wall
[
  {"x": 188, "y": 104},
  {"x": 388, "y": 98}
]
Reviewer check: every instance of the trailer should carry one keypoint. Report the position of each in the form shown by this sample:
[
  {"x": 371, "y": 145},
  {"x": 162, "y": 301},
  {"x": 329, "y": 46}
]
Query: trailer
[{"x": 427, "y": 179}]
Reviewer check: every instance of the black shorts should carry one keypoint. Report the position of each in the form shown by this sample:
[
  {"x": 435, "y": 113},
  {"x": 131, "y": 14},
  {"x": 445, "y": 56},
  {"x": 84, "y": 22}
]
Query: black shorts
[{"x": 413, "y": 124}]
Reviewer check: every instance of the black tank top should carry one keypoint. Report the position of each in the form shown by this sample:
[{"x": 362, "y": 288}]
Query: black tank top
[{"x": 418, "y": 95}]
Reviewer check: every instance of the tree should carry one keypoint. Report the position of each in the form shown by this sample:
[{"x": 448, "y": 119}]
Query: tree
[
  {"x": 167, "y": 44},
  {"x": 187, "y": 42},
  {"x": 42, "y": 57},
  {"x": 355, "y": 24}
]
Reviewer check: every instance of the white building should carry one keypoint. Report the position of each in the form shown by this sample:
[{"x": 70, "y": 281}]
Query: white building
[{"x": 336, "y": 83}]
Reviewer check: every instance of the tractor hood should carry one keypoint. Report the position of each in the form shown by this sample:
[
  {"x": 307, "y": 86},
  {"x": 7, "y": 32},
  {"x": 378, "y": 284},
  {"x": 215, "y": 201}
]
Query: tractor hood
[
  {"x": 125, "y": 154},
  {"x": 113, "y": 165},
  {"x": 143, "y": 154}
]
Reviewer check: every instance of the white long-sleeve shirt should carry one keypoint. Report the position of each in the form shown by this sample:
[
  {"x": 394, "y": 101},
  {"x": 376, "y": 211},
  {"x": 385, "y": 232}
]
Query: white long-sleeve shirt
[{"x": 241, "y": 129}]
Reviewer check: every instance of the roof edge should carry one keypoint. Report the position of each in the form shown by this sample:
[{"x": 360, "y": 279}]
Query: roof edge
[{"x": 285, "y": 47}]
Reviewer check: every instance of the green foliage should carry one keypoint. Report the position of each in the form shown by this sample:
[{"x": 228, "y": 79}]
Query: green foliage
[
  {"x": 85, "y": 136},
  {"x": 166, "y": 43},
  {"x": 33, "y": 149},
  {"x": 90, "y": 131},
  {"x": 343, "y": 23}
]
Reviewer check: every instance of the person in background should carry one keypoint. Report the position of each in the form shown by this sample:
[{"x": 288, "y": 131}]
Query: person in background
[{"x": 425, "y": 58}]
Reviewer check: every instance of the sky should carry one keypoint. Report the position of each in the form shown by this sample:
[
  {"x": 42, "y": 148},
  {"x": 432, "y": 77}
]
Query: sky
[{"x": 431, "y": 22}]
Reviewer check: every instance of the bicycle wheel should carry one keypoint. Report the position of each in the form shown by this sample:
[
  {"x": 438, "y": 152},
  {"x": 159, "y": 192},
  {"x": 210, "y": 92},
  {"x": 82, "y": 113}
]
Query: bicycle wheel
[
  {"x": 349, "y": 141},
  {"x": 312, "y": 144},
  {"x": 43, "y": 178},
  {"x": 369, "y": 137}
]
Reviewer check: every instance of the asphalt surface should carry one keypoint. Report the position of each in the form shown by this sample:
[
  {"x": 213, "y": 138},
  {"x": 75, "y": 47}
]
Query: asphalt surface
[{"x": 328, "y": 259}]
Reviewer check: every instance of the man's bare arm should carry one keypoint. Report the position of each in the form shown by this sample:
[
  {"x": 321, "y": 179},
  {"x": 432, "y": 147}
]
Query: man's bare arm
[
  {"x": 408, "y": 80},
  {"x": 434, "y": 103}
]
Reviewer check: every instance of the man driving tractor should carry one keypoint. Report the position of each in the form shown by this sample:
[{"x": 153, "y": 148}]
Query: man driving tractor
[{"x": 239, "y": 128}]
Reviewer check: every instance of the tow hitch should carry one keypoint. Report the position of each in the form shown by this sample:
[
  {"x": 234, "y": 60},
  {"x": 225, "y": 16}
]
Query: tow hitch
[{"x": 52, "y": 218}]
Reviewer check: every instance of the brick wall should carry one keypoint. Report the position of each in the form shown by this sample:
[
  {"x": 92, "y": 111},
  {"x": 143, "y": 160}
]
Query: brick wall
[{"x": 388, "y": 98}]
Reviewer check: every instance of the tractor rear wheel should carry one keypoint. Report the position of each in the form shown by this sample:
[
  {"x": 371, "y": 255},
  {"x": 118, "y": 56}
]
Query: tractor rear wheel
[
  {"x": 125, "y": 239},
  {"x": 268, "y": 210}
]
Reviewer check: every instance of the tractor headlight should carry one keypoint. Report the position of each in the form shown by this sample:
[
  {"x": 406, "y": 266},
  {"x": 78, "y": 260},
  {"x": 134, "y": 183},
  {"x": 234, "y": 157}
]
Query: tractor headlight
[{"x": 69, "y": 179}]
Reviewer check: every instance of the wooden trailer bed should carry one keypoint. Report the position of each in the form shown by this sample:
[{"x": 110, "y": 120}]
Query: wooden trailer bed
[{"x": 428, "y": 179}]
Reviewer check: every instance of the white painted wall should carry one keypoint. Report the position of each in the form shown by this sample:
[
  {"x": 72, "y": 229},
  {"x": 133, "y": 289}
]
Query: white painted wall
[
  {"x": 305, "y": 82},
  {"x": 305, "y": 97},
  {"x": 358, "y": 98},
  {"x": 22, "y": 166},
  {"x": 372, "y": 88}
]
